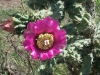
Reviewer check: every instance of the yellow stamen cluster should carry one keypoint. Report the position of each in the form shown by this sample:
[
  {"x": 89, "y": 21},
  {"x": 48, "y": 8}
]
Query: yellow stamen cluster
[{"x": 45, "y": 41}]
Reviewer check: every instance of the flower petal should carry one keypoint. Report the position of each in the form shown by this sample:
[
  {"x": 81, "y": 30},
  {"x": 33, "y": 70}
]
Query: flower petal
[
  {"x": 26, "y": 44},
  {"x": 51, "y": 24},
  {"x": 60, "y": 38},
  {"x": 56, "y": 50},
  {"x": 50, "y": 54},
  {"x": 43, "y": 56},
  {"x": 34, "y": 54},
  {"x": 40, "y": 27},
  {"x": 30, "y": 26},
  {"x": 28, "y": 41}
]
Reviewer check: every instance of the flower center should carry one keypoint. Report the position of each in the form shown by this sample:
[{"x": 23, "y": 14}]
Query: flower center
[{"x": 45, "y": 41}]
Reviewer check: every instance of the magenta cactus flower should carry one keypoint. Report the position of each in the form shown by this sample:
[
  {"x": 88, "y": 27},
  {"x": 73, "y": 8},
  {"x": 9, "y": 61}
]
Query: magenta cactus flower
[{"x": 44, "y": 39}]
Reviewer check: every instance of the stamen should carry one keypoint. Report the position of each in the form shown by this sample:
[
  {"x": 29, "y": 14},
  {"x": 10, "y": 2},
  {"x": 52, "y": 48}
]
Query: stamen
[{"x": 45, "y": 41}]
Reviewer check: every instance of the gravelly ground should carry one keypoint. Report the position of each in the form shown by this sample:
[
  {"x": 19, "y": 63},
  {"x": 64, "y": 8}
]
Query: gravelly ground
[{"x": 8, "y": 4}]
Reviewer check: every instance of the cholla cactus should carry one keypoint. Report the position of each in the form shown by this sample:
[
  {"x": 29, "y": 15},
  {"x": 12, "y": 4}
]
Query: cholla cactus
[
  {"x": 82, "y": 34},
  {"x": 83, "y": 41}
]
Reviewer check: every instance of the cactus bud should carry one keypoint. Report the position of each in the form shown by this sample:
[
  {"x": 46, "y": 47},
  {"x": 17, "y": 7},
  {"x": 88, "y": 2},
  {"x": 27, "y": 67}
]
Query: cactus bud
[
  {"x": 8, "y": 25},
  {"x": 20, "y": 26},
  {"x": 16, "y": 21}
]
